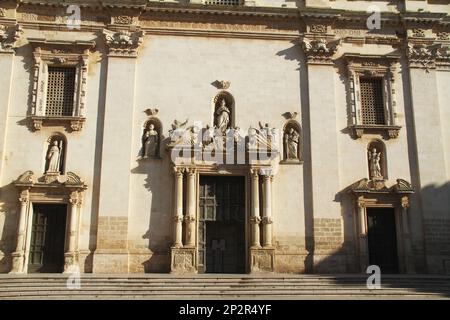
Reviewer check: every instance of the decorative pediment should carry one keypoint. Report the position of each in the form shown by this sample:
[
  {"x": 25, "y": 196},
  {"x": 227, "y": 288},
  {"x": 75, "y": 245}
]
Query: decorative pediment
[
  {"x": 197, "y": 142},
  {"x": 366, "y": 186},
  {"x": 403, "y": 186},
  {"x": 123, "y": 42},
  {"x": 69, "y": 180},
  {"x": 8, "y": 37}
]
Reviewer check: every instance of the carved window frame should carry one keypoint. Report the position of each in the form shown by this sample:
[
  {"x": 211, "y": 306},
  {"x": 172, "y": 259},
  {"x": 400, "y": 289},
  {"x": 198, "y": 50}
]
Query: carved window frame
[
  {"x": 59, "y": 54},
  {"x": 383, "y": 67}
]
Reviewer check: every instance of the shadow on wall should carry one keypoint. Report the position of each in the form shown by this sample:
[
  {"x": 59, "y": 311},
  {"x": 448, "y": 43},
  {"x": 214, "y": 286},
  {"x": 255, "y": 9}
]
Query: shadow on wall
[
  {"x": 159, "y": 183},
  {"x": 436, "y": 223},
  {"x": 9, "y": 207},
  {"x": 345, "y": 258},
  {"x": 88, "y": 264}
]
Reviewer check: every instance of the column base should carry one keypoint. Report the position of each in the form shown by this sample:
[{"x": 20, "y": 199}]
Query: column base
[
  {"x": 71, "y": 262},
  {"x": 17, "y": 263},
  {"x": 262, "y": 260},
  {"x": 183, "y": 260}
]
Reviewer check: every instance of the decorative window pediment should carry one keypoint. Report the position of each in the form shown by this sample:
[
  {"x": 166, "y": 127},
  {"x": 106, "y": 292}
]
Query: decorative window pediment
[
  {"x": 59, "y": 83},
  {"x": 371, "y": 94}
]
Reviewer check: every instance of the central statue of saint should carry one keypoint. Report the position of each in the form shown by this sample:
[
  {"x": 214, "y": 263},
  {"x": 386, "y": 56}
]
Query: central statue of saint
[{"x": 223, "y": 117}]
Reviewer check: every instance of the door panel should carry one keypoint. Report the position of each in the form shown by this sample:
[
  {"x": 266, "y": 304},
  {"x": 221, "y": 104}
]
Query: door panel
[
  {"x": 47, "y": 238},
  {"x": 382, "y": 238},
  {"x": 222, "y": 224}
]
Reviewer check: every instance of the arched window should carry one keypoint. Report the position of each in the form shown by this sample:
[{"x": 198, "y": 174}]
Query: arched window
[
  {"x": 377, "y": 160},
  {"x": 224, "y": 111},
  {"x": 151, "y": 138},
  {"x": 292, "y": 142},
  {"x": 55, "y": 154}
]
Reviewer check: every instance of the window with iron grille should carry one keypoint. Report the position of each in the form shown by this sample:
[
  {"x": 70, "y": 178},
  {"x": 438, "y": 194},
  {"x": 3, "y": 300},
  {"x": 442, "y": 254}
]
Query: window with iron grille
[
  {"x": 60, "y": 91},
  {"x": 372, "y": 104},
  {"x": 224, "y": 2}
]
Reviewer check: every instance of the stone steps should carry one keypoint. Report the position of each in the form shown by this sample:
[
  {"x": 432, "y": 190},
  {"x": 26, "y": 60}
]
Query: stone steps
[{"x": 53, "y": 286}]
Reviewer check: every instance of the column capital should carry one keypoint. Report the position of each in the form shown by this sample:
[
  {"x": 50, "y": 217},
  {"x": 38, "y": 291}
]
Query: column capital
[
  {"x": 8, "y": 37},
  {"x": 24, "y": 197},
  {"x": 320, "y": 49},
  {"x": 191, "y": 171},
  {"x": 177, "y": 218},
  {"x": 405, "y": 202},
  {"x": 123, "y": 43},
  {"x": 188, "y": 218},
  {"x": 178, "y": 171},
  {"x": 254, "y": 173},
  {"x": 266, "y": 172},
  {"x": 267, "y": 220},
  {"x": 75, "y": 198},
  {"x": 255, "y": 220},
  {"x": 361, "y": 202}
]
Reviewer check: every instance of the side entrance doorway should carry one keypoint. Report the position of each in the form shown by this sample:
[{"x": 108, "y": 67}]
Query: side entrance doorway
[
  {"x": 382, "y": 239},
  {"x": 48, "y": 232}
]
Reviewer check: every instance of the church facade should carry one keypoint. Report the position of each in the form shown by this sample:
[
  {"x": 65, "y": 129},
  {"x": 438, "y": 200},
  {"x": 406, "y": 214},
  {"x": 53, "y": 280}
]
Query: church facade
[{"x": 224, "y": 136}]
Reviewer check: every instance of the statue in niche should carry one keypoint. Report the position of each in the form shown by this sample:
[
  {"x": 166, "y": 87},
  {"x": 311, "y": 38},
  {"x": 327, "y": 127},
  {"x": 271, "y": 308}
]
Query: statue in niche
[
  {"x": 54, "y": 157},
  {"x": 291, "y": 143},
  {"x": 151, "y": 142},
  {"x": 222, "y": 117},
  {"x": 374, "y": 164}
]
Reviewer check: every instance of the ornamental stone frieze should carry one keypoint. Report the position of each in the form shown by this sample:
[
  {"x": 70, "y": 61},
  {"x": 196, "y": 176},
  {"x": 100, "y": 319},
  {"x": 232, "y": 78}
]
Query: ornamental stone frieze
[
  {"x": 428, "y": 55},
  {"x": 123, "y": 43},
  {"x": 8, "y": 37}
]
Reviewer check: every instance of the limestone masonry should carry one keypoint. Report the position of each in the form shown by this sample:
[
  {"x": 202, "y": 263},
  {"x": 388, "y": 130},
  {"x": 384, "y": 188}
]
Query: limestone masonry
[{"x": 224, "y": 136}]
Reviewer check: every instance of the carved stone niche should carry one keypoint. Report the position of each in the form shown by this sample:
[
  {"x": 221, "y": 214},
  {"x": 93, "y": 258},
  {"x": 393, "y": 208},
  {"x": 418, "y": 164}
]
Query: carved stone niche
[
  {"x": 151, "y": 138},
  {"x": 71, "y": 55},
  {"x": 292, "y": 143},
  {"x": 375, "y": 67}
]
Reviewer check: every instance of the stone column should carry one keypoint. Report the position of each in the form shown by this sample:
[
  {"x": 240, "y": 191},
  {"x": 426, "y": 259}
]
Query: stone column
[
  {"x": 184, "y": 258},
  {"x": 267, "y": 208},
  {"x": 262, "y": 259},
  {"x": 255, "y": 218},
  {"x": 191, "y": 203},
  {"x": 362, "y": 235},
  {"x": 178, "y": 208},
  {"x": 19, "y": 254},
  {"x": 409, "y": 259},
  {"x": 71, "y": 256},
  {"x": 111, "y": 255}
]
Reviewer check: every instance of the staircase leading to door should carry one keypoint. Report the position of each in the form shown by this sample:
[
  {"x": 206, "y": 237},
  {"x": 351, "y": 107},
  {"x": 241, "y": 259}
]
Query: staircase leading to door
[{"x": 162, "y": 286}]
